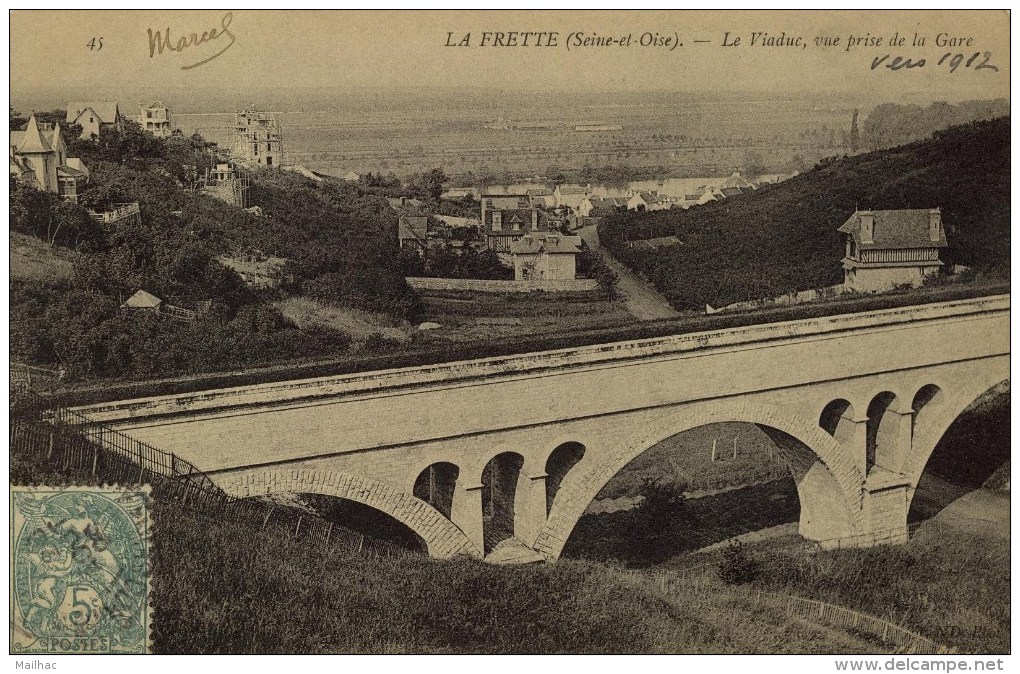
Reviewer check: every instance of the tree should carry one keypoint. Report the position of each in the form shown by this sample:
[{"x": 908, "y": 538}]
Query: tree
[
  {"x": 430, "y": 184},
  {"x": 737, "y": 565}
]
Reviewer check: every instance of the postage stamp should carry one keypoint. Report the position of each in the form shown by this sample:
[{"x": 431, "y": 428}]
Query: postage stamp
[{"x": 80, "y": 570}]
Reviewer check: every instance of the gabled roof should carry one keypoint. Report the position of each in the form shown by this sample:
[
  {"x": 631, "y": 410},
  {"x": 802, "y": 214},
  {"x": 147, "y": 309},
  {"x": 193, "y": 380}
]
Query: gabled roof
[
  {"x": 17, "y": 167},
  {"x": 142, "y": 300},
  {"x": 904, "y": 228},
  {"x": 32, "y": 141},
  {"x": 737, "y": 180},
  {"x": 413, "y": 227},
  {"x": 106, "y": 111},
  {"x": 546, "y": 243},
  {"x": 650, "y": 197},
  {"x": 70, "y": 172},
  {"x": 506, "y": 202},
  {"x": 606, "y": 204},
  {"x": 77, "y": 165},
  {"x": 730, "y": 191}
]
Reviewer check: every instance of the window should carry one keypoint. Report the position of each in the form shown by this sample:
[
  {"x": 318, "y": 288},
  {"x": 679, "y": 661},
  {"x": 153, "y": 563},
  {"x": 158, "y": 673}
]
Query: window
[
  {"x": 269, "y": 161},
  {"x": 148, "y": 114}
]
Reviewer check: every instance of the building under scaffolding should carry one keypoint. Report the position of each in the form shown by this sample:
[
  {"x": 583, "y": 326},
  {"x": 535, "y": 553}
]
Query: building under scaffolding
[
  {"x": 227, "y": 183},
  {"x": 257, "y": 138}
]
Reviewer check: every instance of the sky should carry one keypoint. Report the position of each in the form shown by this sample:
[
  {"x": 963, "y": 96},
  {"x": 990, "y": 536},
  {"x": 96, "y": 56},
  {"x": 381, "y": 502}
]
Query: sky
[{"x": 407, "y": 48}]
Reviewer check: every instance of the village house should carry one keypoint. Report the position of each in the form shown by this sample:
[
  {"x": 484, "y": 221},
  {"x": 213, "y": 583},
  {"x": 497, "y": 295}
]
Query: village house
[
  {"x": 257, "y": 138},
  {"x": 95, "y": 117},
  {"x": 227, "y": 183},
  {"x": 406, "y": 205},
  {"x": 542, "y": 196},
  {"x": 506, "y": 218},
  {"x": 412, "y": 232},
  {"x": 648, "y": 201},
  {"x": 38, "y": 156},
  {"x": 727, "y": 192},
  {"x": 594, "y": 206},
  {"x": 351, "y": 177},
  {"x": 737, "y": 180},
  {"x": 545, "y": 256},
  {"x": 570, "y": 196},
  {"x": 155, "y": 119},
  {"x": 885, "y": 249}
]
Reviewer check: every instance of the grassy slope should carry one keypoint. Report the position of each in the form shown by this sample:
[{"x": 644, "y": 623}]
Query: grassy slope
[
  {"x": 952, "y": 587},
  {"x": 225, "y": 587},
  {"x": 784, "y": 237},
  {"x": 32, "y": 258},
  {"x": 237, "y": 593}
]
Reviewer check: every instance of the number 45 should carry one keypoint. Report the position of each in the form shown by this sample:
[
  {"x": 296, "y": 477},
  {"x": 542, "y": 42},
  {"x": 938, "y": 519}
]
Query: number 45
[{"x": 95, "y": 44}]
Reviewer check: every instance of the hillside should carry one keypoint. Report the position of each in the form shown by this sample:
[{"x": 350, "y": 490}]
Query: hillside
[
  {"x": 783, "y": 237},
  {"x": 70, "y": 273},
  {"x": 225, "y": 586}
]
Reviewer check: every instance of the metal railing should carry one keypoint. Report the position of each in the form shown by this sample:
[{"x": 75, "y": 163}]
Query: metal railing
[{"x": 68, "y": 440}]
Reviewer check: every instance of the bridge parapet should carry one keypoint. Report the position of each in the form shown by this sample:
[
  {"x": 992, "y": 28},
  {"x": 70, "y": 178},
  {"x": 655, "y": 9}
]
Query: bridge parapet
[{"x": 491, "y": 369}]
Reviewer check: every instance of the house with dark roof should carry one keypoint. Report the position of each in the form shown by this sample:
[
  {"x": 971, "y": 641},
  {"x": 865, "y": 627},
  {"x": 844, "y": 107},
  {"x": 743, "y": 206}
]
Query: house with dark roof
[
  {"x": 506, "y": 218},
  {"x": 648, "y": 201},
  {"x": 886, "y": 249},
  {"x": 95, "y": 116},
  {"x": 595, "y": 206},
  {"x": 413, "y": 232},
  {"x": 545, "y": 255},
  {"x": 38, "y": 155}
]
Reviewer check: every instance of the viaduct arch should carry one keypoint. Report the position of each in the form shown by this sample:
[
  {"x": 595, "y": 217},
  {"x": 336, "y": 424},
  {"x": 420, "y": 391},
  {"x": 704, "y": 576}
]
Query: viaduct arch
[
  {"x": 368, "y": 437},
  {"x": 827, "y": 481}
]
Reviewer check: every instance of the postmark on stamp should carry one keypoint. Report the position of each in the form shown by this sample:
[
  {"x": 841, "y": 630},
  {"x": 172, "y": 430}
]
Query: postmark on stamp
[{"x": 80, "y": 570}]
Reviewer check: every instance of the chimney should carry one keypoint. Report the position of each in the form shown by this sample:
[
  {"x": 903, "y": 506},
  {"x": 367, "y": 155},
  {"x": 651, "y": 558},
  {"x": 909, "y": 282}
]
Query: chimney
[
  {"x": 935, "y": 224},
  {"x": 867, "y": 226},
  {"x": 534, "y": 219}
]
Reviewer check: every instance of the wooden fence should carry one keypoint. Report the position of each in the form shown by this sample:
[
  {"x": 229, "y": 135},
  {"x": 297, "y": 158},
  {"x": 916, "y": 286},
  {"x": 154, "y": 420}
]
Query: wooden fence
[
  {"x": 699, "y": 590},
  {"x": 69, "y": 441},
  {"x": 31, "y": 377}
]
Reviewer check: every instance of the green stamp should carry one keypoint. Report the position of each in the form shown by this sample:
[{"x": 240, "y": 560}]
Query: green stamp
[{"x": 80, "y": 570}]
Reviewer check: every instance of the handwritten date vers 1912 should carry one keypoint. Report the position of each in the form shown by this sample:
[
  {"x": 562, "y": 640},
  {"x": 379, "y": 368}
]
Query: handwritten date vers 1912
[{"x": 976, "y": 61}]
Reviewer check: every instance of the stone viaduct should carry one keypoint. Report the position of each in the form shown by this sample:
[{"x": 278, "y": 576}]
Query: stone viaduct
[{"x": 471, "y": 453}]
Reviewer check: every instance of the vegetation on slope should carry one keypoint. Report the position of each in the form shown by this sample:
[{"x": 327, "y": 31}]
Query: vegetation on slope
[
  {"x": 341, "y": 243},
  {"x": 783, "y": 237}
]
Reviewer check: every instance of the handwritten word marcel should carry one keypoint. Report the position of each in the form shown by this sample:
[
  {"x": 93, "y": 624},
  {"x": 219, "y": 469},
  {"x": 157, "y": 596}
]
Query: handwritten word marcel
[{"x": 159, "y": 41}]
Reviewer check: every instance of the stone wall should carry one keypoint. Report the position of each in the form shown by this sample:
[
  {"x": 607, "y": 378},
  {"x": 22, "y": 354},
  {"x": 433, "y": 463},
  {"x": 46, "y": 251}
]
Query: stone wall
[{"x": 489, "y": 286}]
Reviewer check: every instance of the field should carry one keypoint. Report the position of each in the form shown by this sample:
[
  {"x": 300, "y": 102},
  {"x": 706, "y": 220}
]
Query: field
[
  {"x": 360, "y": 325},
  {"x": 686, "y": 459},
  {"x": 410, "y": 131},
  {"x": 468, "y": 316}
]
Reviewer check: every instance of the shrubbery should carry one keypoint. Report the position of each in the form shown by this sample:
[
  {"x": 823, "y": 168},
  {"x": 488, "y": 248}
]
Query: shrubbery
[
  {"x": 341, "y": 244},
  {"x": 783, "y": 237}
]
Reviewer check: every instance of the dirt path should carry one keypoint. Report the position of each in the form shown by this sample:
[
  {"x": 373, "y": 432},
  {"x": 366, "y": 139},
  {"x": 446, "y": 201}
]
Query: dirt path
[{"x": 642, "y": 299}]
